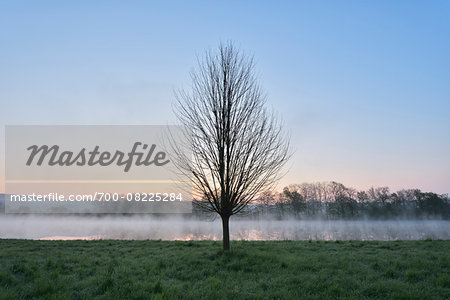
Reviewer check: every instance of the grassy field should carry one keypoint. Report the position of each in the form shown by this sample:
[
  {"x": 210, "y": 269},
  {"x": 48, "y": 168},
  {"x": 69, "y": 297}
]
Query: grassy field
[{"x": 252, "y": 270}]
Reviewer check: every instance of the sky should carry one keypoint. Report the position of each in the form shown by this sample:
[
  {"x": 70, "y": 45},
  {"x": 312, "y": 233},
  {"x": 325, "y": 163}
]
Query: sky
[{"x": 362, "y": 87}]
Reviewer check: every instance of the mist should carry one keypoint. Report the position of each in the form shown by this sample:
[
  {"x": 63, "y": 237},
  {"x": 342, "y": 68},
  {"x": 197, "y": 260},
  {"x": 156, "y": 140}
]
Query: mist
[{"x": 179, "y": 228}]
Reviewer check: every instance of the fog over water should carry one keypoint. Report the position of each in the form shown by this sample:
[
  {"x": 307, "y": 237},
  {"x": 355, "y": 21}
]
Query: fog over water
[{"x": 145, "y": 227}]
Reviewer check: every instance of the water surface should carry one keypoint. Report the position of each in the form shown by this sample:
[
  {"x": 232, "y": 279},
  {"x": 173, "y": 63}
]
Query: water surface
[{"x": 144, "y": 227}]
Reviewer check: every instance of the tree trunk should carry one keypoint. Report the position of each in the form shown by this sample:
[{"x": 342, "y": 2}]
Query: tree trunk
[{"x": 226, "y": 232}]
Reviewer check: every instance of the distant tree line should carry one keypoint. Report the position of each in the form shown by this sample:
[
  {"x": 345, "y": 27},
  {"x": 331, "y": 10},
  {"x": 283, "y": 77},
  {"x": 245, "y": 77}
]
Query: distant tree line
[{"x": 333, "y": 200}]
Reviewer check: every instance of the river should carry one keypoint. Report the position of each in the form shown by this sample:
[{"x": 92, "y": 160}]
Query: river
[{"x": 144, "y": 227}]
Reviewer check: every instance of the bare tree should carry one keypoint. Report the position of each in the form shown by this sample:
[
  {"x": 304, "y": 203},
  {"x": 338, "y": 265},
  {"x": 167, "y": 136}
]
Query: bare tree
[{"x": 238, "y": 146}]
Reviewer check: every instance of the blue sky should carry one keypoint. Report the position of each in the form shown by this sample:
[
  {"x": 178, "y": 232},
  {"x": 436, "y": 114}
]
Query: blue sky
[{"x": 362, "y": 87}]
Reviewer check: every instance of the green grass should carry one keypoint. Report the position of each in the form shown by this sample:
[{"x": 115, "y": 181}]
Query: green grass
[{"x": 251, "y": 270}]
